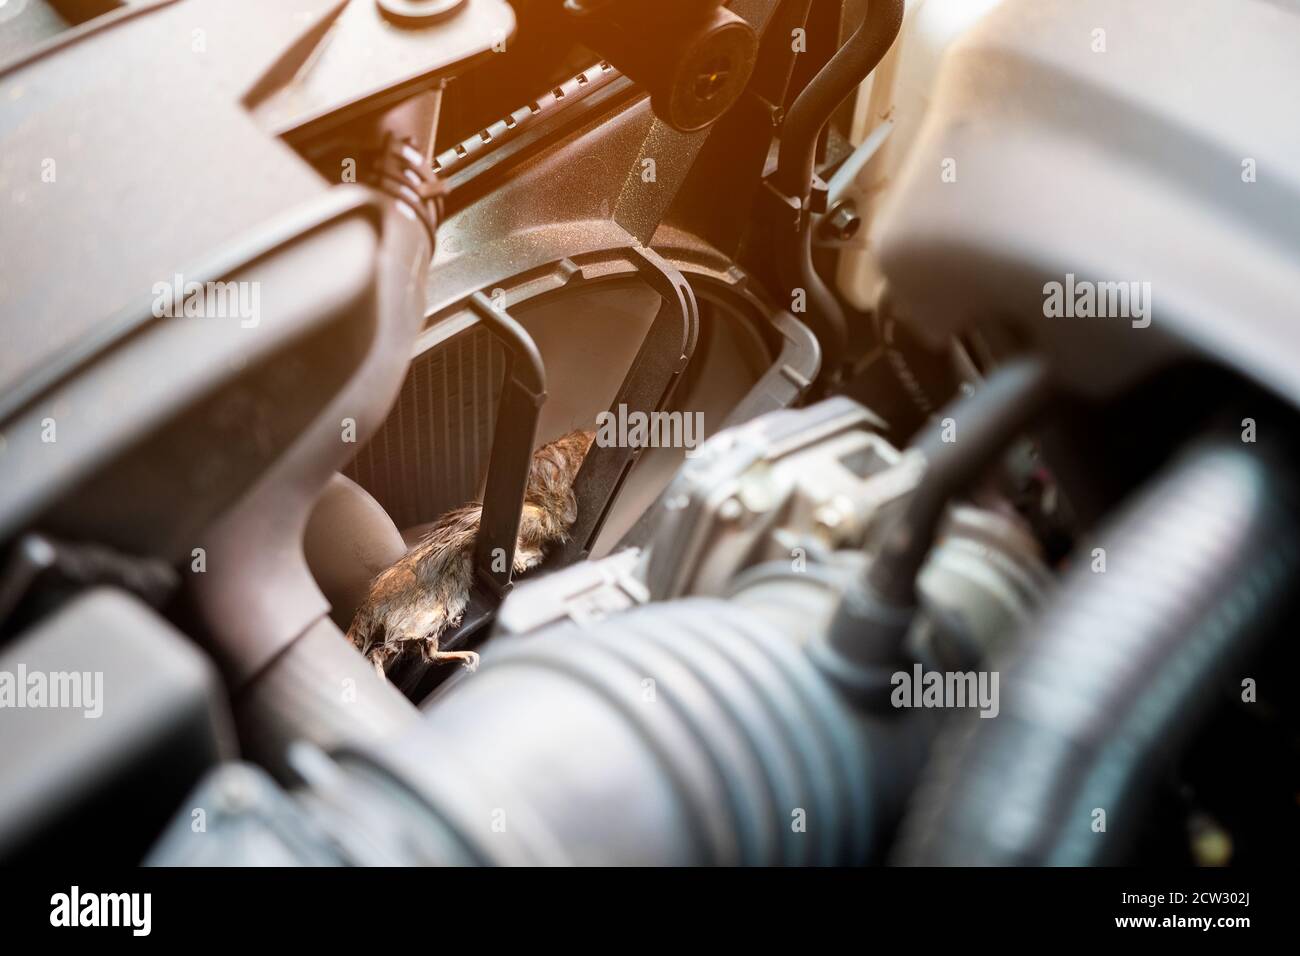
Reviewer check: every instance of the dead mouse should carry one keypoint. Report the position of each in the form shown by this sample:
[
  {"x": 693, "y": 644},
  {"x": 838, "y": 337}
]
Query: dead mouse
[{"x": 412, "y": 603}]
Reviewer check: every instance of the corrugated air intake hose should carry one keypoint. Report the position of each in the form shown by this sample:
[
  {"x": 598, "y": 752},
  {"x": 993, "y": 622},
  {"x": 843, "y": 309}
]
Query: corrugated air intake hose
[
  {"x": 683, "y": 733},
  {"x": 1101, "y": 691}
]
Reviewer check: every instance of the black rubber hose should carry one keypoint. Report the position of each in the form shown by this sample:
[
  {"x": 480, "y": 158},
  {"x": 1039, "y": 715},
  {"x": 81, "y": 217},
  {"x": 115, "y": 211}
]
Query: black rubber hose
[
  {"x": 825, "y": 315},
  {"x": 797, "y": 156},
  {"x": 841, "y": 75},
  {"x": 864, "y": 642},
  {"x": 1099, "y": 693},
  {"x": 971, "y": 433}
]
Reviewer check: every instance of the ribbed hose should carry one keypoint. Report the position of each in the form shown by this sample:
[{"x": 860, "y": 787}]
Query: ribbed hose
[
  {"x": 684, "y": 733},
  {"x": 1114, "y": 674}
]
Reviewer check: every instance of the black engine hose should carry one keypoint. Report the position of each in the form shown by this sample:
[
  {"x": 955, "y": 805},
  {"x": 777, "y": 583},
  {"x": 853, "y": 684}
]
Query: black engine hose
[
  {"x": 971, "y": 432},
  {"x": 825, "y": 315},
  {"x": 864, "y": 641},
  {"x": 1100, "y": 692},
  {"x": 841, "y": 75},
  {"x": 797, "y": 156}
]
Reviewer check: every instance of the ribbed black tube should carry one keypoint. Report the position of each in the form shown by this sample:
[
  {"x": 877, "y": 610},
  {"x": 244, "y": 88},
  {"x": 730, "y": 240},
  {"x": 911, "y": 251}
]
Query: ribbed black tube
[
  {"x": 1112, "y": 677},
  {"x": 684, "y": 733}
]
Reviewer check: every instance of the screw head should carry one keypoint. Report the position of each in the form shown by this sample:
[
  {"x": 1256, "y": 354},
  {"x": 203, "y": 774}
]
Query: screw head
[{"x": 712, "y": 78}]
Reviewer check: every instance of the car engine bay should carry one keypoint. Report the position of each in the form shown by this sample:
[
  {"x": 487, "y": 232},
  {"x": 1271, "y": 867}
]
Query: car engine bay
[{"x": 602, "y": 433}]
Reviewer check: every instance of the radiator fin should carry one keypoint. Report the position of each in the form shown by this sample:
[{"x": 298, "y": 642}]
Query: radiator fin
[{"x": 431, "y": 453}]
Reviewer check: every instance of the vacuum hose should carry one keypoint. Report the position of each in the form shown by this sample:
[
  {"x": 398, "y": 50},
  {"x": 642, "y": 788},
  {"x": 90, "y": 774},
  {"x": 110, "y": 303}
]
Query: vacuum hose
[
  {"x": 797, "y": 155},
  {"x": 841, "y": 75},
  {"x": 863, "y": 645}
]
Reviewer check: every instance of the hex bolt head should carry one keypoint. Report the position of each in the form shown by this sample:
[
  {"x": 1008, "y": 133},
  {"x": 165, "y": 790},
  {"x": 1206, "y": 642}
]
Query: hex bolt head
[{"x": 842, "y": 222}]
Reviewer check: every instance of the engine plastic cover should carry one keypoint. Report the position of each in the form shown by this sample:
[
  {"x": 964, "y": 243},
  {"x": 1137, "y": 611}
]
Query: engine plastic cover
[{"x": 1148, "y": 146}]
